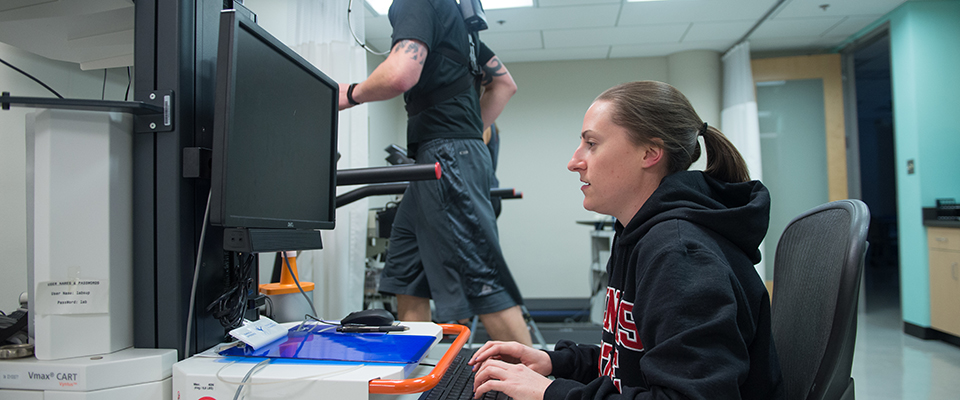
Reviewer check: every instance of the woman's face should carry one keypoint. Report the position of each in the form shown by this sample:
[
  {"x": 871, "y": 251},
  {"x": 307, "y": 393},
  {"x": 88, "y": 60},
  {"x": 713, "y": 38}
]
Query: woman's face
[{"x": 610, "y": 165}]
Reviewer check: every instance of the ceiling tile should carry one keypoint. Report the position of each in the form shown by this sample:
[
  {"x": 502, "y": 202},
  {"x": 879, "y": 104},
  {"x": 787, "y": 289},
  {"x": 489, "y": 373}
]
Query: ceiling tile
[
  {"x": 616, "y": 28},
  {"x": 658, "y": 50},
  {"x": 615, "y": 36},
  {"x": 852, "y": 25},
  {"x": 679, "y": 11},
  {"x": 731, "y": 31},
  {"x": 570, "y": 53},
  {"x": 811, "y": 8},
  {"x": 797, "y": 27},
  {"x": 525, "y": 19},
  {"x": 512, "y": 40}
]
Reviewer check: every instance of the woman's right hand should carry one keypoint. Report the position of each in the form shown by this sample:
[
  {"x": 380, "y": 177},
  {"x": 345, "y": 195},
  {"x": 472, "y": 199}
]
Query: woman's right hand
[{"x": 514, "y": 353}]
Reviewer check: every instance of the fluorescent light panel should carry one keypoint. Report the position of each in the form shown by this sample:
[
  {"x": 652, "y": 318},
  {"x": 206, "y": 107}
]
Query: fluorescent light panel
[
  {"x": 382, "y": 6},
  {"x": 495, "y": 4}
]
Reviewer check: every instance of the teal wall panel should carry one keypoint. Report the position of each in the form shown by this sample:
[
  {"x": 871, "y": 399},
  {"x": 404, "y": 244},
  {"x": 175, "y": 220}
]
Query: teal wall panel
[{"x": 925, "y": 58}]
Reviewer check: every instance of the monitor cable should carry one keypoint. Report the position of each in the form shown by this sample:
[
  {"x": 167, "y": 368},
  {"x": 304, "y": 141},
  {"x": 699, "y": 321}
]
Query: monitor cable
[
  {"x": 231, "y": 305},
  {"x": 297, "y": 281},
  {"x": 196, "y": 274},
  {"x": 126, "y": 96},
  {"x": 31, "y": 77},
  {"x": 302, "y": 327},
  {"x": 103, "y": 90}
]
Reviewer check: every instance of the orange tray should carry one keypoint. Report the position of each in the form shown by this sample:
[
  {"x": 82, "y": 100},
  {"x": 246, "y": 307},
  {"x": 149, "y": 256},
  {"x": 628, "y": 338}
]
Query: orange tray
[{"x": 428, "y": 381}]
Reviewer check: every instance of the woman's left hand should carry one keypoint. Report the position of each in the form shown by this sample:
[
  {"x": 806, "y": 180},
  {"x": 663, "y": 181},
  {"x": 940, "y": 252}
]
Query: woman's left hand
[{"x": 515, "y": 380}]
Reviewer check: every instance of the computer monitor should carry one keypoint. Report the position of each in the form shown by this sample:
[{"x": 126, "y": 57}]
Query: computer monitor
[{"x": 273, "y": 173}]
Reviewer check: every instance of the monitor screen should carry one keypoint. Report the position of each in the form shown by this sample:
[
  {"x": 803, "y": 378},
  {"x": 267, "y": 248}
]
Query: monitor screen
[{"x": 275, "y": 134}]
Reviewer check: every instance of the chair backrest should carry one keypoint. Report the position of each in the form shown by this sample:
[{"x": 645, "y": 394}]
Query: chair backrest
[{"x": 816, "y": 285}]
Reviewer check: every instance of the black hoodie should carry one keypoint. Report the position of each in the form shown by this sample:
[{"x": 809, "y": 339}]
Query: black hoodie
[{"x": 687, "y": 316}]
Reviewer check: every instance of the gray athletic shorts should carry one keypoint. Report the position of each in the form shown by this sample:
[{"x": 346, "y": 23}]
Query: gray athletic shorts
[{"x": 444, "y": 244}]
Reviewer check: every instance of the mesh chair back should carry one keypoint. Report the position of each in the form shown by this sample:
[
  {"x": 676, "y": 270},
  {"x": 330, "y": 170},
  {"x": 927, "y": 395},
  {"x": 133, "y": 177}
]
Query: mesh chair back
[{"x": 816, "y": 286}]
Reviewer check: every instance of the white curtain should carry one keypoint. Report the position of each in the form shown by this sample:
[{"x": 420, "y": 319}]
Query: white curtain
[
  {"x": 739, "y": 116},
  {"x": 318, "y": 31}
]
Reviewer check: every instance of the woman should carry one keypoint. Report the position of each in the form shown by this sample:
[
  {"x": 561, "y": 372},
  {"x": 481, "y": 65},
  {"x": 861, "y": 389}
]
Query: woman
[{"x": 686, "y": 313}]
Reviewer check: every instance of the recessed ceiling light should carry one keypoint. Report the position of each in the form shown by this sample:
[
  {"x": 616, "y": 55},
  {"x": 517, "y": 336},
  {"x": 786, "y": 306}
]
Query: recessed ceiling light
[
  {"x": 634, "y": 1},
  {"x": 382, "y": 6}
]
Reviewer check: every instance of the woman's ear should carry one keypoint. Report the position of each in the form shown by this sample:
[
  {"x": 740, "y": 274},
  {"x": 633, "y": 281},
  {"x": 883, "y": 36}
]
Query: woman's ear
[{"x": 653, "y": 153}]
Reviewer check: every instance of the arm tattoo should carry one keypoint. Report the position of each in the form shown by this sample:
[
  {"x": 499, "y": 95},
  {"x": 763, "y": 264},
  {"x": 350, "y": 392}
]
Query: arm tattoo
[
  {"x": 413, "y": 49},
  {"x": 489, "y": 72}
]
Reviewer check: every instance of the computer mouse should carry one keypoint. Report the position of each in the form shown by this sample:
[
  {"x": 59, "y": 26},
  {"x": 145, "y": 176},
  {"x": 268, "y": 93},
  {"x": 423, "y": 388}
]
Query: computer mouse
[{"x": 371, "y": 317}]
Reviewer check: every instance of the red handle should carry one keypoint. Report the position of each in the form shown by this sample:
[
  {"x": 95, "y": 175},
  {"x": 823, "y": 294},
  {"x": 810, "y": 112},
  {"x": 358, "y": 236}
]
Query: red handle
[{"x": 426, "y": 382}]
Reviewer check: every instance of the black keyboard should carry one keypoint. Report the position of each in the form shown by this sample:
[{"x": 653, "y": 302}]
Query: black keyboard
[{"x": 457, "y": 382}]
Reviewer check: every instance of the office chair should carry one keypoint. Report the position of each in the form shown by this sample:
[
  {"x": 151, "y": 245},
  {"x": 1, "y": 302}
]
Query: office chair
[{"x": 819, "y": 261}]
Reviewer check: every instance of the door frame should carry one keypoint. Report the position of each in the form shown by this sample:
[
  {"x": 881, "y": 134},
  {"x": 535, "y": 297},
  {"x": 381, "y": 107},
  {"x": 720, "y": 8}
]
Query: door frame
[{"x": 826, "y": 67}]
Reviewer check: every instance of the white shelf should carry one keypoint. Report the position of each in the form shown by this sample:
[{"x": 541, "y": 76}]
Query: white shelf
[{"x": 93, "y": 33}]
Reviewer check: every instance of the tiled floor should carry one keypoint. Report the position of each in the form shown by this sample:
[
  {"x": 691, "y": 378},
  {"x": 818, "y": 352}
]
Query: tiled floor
[{"x": 891, "y": 365}]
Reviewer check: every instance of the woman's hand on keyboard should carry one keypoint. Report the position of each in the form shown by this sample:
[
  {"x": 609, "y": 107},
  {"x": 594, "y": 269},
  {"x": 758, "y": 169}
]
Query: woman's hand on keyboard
[
  {"x": 513, "y": 353},
  {"x": 515, "y": 380}
]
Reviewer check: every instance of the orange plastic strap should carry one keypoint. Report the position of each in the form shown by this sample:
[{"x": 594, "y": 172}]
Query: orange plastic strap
[{"x": 426, "y": 382}]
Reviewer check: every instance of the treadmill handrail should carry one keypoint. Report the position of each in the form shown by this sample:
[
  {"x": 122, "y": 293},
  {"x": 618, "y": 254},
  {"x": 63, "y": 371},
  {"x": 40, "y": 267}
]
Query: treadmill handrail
[{"x": 396, "y": 173}]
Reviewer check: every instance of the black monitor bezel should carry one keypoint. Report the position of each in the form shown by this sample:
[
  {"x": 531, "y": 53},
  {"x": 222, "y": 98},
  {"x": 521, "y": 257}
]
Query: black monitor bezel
[{"x": 230, "y": 25}]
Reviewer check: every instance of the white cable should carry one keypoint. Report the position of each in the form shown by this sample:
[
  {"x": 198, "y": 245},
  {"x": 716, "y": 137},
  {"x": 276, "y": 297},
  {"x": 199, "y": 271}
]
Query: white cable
[
  {"x": 297, "y": 281},
  {"x": 308, "y": 377},
  {"x": 196, "y": 273},
  {"x": 261, "y": 365},
  {"x": 328, "y": 326},
  {"x": 350, "y": 27}
]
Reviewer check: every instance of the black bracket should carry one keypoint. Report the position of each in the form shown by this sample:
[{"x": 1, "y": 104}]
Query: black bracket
[
  {"x": 196, "y": 162},
  {"x": 156, "y": 122},
  {"x": 154, "y": 115}
]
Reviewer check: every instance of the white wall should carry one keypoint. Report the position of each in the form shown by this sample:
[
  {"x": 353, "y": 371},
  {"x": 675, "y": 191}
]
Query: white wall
[
  {"x": 548, "y": 252},
  {"x": 388, "y": 125},
  {"x": 698, "y": 75},
  {"x": 70, "y": 82}
]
